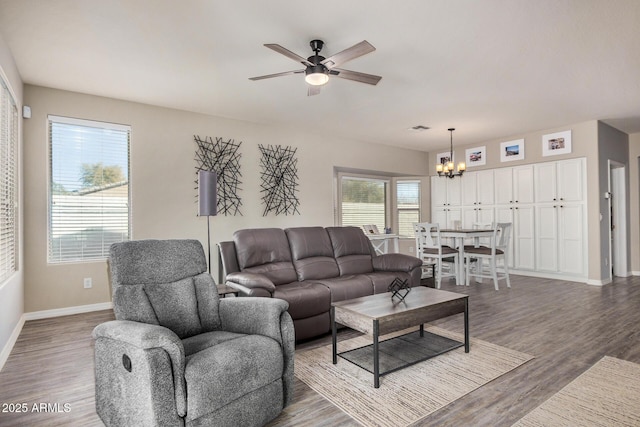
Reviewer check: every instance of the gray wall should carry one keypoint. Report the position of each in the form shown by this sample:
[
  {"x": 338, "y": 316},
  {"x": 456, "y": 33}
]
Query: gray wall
[
  {"x": 612, "y": 145},
  {"x": 162, "y": 182}
]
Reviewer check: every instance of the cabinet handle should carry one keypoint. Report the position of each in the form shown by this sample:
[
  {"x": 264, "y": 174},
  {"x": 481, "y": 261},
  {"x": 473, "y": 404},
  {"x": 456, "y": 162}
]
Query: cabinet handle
[
  {"x": 561, "y": 198},
  {"x": 554, "y": 199},
  {"x": 561, "y": 206}
]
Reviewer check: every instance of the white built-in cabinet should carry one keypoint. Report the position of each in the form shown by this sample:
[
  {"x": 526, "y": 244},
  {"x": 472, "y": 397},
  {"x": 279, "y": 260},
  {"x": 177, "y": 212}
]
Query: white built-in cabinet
[
  {"x": 446, "y": 198},
  {"x": 545, "y": 202},
  {"x": 560, "y": 217}
]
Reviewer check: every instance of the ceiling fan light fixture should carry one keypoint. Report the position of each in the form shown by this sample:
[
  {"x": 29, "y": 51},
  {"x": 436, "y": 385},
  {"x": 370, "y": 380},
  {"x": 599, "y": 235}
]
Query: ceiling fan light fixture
[{"x": 316, "y": 78}]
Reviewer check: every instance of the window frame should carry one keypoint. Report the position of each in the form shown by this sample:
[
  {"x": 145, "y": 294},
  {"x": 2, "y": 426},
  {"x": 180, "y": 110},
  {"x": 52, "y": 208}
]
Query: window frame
[
  {"x": 397, "y": 207},
  {"x": 93, "y": 124},
  {"x": 12, "y": 191},
  {"x": 364, "y": 177}
]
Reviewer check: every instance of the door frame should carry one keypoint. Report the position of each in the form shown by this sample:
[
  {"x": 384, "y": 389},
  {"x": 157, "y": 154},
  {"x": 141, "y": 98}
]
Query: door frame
[{"x": 617, "y": 197}]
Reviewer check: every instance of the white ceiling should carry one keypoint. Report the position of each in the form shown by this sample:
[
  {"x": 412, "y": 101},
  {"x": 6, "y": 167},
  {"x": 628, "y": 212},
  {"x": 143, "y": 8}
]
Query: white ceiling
[{"x": 490, "y": 68}]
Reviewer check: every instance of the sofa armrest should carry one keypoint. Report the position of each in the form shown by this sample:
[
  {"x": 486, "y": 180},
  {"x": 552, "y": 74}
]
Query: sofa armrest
[
  {"x": 250, "y": 283},
  {"x": 396, "y": 262},
  {"x": 147, "y": 337}
]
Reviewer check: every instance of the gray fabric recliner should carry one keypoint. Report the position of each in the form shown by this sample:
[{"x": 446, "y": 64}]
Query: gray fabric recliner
[{"x": 178, "y": 354}]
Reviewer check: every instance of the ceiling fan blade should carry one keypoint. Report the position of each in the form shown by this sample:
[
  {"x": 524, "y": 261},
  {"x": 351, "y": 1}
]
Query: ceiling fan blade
[
  {"x": 354, "y": 51},
  {"x": 356, "y": 76},
  {"x": 268, "y": 76},
  {"x": 288, "y": 53},
  {"x": 313, "y": 90}
]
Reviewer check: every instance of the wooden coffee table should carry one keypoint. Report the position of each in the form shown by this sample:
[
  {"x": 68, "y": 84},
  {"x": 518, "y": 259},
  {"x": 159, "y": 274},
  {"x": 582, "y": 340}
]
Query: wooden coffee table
[{"x": 379, "y": 314}]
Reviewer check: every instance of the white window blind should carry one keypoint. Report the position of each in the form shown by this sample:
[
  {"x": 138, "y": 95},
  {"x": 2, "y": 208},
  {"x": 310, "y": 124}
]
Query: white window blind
[
  {"x": 408, "y": 205},
  {"x": 88, "y": 188},
  {"x": 8, "y": 183},
  {"x": 364, "y": 201}
]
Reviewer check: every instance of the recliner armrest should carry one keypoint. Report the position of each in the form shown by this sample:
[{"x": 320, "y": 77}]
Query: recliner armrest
[
  {"x": 248, "y": 282},
  {"x": 145, "y": 337},
  {"x": 395, "y": 262},
  {"x": 268, "y": 317}
]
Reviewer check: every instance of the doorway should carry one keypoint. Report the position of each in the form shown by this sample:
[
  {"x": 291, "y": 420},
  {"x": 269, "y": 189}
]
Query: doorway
[{"x": 617, "y": 219}]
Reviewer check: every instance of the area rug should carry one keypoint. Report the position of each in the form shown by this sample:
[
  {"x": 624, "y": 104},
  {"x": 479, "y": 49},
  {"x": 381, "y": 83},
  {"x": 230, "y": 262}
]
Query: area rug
[
  {"x": 410, "y": 394},
  {"x": 607, "y": 394}
]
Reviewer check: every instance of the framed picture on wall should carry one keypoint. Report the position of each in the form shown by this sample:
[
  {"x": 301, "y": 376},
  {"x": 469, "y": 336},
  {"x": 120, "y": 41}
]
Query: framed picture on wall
[
  {"x": 476, "y": 156},
  {"x": 444, "y": 158},
  {"x": 556, "y": 143},
  {"x": 512, "y": 150}
]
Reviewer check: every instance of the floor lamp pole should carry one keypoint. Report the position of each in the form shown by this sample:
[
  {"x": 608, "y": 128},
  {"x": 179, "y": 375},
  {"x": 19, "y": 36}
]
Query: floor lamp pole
[{"x": 209, "y": 242}]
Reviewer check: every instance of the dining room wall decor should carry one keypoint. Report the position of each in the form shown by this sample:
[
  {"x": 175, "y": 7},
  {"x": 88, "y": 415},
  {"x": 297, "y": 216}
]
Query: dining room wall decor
[
  {"x": 279, "y": 175},
  {"x": 222, "y": 157}
]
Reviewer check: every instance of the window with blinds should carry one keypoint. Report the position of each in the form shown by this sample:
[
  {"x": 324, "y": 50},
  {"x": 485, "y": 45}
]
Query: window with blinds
[
  {"x": 89, "y": 196},
  {"x": 8, "y": 183},
  {"x": 364, "y": 201},
  {"x": 408, "y": 206}
]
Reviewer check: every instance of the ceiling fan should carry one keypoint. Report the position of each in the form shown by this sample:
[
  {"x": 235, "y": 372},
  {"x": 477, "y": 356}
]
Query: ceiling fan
[{"x": 318, "y": 68}]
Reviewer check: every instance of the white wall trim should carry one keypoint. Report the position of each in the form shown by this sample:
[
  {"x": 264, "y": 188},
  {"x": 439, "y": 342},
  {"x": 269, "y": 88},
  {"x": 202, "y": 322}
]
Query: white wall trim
[
  {"x": 599, "y": 282},
  {"x": 45, "y": 314},
  {"x": 6, "y": 351},
  {"x": 635, "y": 273}
]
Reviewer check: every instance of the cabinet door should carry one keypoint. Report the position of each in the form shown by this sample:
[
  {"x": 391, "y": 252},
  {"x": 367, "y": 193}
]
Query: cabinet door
[
  {"x": 523, "y": 184},
  {"x": 453, "y": 215},
  {"x": 439, "y": 216},
  {"x": 470, "y": 189},
  {"x": 503, "y": 186},
  {"x": 547, "y": 238},
  {"x": 546, "y": 182},
  {"x": 505, "y": 214},
  {"x": 524, "y": 237},
  {"x": 570, "y": 239},
  {"x": 485, "y": 187},
  {"x": 454, "y": 191},
  {"x": 469, "y": 216},
  {"x": 438, "y": 191},
  {"x": 570, "y": 180}
]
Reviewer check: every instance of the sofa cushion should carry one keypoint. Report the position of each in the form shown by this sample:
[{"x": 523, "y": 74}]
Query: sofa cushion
[
  {"x": 305, "y": 299},
  {"x": 312, "y": 253},
  {"x": 348, "y": 287},
  {"x": 352, "y": 250},
  {"x": 265, "y": 251}
]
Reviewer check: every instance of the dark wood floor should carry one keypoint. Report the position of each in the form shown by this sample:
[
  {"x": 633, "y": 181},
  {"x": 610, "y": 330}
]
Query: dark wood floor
[{"x": 567, "y": 327}]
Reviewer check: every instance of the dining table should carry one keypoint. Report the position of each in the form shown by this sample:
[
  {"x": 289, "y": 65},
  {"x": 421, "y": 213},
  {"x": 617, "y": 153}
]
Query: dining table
[{"x": 459, "y": 235}]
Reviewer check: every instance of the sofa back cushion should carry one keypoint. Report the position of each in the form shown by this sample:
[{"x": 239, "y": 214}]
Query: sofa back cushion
[
  {"x": 351, "y": 249},
  {"x": 265, "y": 251},
  {"x": 312, "y": 253}
]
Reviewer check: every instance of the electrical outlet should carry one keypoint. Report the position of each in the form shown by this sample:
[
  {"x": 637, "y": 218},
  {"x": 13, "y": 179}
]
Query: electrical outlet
[
  {"x": 88, "y": 282},
  {"x": 606, "y": 262},
  {"x": 410, "y": 249}
]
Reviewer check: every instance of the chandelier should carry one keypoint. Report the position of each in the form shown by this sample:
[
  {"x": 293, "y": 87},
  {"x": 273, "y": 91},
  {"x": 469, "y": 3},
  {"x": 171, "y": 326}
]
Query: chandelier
[{"x": 446, "y": 168}]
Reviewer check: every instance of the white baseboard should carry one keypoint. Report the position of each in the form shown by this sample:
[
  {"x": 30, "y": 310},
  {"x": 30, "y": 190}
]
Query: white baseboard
[
  {"x": 595, "y": 282},
  {"x": 635, "y": 273},
  {"x": 6, "y": 351},
  {"x": 45, "y": 314}
]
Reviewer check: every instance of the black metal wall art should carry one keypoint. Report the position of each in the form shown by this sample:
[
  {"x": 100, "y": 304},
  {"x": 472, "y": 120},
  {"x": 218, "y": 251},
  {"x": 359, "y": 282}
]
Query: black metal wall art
[
  {"x": 279, "y": 176},
  {"x": 223, "y": 158}
]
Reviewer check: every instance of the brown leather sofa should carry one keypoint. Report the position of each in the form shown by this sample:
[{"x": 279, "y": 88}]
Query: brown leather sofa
[{"x": 311, "y": 267}]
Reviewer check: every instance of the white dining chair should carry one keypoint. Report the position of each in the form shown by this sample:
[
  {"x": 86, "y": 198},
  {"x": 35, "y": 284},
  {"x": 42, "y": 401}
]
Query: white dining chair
[
  {"x": 429, "y": 249},
  {"x": 497, "y": 250}
]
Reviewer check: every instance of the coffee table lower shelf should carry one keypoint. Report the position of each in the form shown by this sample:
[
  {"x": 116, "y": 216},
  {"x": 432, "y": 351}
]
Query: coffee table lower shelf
[{"x": 401, "y": 351}]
